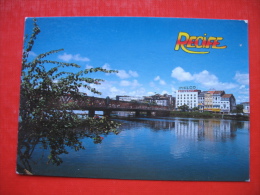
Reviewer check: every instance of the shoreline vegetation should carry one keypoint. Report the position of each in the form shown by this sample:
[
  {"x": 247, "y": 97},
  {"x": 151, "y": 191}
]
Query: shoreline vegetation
[{"x": 208, "y": 115}]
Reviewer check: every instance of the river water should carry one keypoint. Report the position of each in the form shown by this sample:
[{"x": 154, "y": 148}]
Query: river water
[{"x": 158, "y": 149}]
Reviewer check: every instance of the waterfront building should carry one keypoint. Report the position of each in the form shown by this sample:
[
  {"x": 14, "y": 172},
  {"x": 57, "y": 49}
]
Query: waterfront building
[
  {"x": 160, "y": 100},
  {"x": 246, "y": 107},
  {"x": 208, "y": 101},
  {"x": 216, "y": 100},
  {"x": 201, "y": 98},
  {"x": 187, "y": 96},
  {"x": 227, "y": 103}
]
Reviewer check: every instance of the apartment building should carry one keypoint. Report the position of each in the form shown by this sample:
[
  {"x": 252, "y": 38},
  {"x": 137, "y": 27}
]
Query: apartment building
[{"x": 188, "y": 96}]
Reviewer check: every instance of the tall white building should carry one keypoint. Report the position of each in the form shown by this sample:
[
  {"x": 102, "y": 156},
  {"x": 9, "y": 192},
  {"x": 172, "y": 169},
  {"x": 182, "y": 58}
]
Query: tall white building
[{"x": 188, "y": 96}]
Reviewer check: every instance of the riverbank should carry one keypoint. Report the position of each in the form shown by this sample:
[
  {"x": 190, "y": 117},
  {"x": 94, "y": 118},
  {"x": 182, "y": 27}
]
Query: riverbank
[{"x": 208, "y": 115}]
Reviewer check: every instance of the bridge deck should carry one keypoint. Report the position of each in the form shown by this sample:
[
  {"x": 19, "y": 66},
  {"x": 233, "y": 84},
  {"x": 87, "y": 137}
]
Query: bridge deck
[{"x": 108, "y": 105}]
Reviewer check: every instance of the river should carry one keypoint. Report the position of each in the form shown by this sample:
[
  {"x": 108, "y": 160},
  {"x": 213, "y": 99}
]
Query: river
[{"x": 169, "y": 148}]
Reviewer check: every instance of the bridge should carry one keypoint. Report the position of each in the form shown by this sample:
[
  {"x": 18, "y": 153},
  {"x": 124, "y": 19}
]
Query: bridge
[{"x": 107, "y": 105}]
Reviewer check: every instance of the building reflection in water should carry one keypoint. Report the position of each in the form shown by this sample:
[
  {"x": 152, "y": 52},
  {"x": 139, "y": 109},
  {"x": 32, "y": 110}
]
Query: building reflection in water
[
  {"x": 214, "y": 130},
  {"x": 197, "y": 129}
]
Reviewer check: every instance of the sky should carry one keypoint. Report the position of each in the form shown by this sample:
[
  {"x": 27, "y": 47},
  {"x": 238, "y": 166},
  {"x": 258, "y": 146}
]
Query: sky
[{"x": 142, "y": 51}]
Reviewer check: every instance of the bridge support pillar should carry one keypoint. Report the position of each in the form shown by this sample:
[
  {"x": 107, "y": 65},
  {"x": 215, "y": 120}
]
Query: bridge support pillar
[
  {"x": 107, "y": 113},
  {"x": 91, "y": 113}
]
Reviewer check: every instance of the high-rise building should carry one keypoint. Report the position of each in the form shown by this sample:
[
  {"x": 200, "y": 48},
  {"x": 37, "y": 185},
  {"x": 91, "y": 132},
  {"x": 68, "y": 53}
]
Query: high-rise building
[{"x": 187, "y": 96}]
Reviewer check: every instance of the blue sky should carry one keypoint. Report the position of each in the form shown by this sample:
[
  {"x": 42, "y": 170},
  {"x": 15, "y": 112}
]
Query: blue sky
[{"x": 142, "y": 50}]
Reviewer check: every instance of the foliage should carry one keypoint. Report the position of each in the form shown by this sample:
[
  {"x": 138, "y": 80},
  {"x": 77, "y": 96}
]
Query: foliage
[
  {"x": 42, "y": 117},
  {"x": 195, "y": 109},
  {"x": 192, "y": 114},
  {"x": 41, "y": 88},
  {"x": 184, "y": 108},
  {"x": 239, "y": 108}
]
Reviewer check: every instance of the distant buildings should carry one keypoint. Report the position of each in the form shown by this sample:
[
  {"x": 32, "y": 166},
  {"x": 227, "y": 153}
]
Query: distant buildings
[
  {"x": 157, "y": 99},
  {"x": 128, "y": 98},
  {"x": 161, "y": 100},
  {"x": 213, "y": 101}
]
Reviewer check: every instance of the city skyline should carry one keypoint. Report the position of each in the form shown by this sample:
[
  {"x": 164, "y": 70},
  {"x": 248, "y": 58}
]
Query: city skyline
[{"x": 142, "y": 50}]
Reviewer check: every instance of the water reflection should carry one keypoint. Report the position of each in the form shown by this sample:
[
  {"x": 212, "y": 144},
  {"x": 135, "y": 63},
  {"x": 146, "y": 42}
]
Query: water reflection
[
  {"x": 214, "y": 130},
  {"x": 196, "y": 129},
  {"x": 146, "y": 148},
  {"x": 46, "y": 142}
]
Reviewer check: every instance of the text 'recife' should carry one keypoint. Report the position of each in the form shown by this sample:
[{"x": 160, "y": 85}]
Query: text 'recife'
[{"x": 185, "y": 42}]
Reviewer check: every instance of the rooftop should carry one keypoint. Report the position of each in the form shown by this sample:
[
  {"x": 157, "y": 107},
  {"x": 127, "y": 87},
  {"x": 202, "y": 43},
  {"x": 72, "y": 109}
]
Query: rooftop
[
  {"x": 227, "y": 95},
  {"x": 218, "y": 92}
]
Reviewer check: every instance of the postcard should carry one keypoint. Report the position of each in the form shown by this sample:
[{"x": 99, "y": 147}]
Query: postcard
[{"x": 138, "y": 98}]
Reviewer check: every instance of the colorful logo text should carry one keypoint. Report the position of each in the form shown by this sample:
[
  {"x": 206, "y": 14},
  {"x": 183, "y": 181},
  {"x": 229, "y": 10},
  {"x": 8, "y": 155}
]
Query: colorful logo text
[{"x": 185, "y": 41}]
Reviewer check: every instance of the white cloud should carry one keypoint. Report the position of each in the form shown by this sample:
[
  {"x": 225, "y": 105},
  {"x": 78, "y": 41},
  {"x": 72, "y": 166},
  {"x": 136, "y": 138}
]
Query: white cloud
[
  {"x": 242, "y": 98},
  {"x": 88, "y": 66},
  {"x": 242, "y": 79},
  {"x": 107, "y": 88},
  {"x": 242, "y": 87},
  {"x": 138, "y": 92},
  {"x": 244, "y": 90},
  {"x": 133, "y": 73},
  {"x": 114, "y": 90},
  {"x": 122, "y": 74},
  {"x": 68, "y": 57},
  {"x": 106, "y": 66},
  {"x": 132, "y": 84},
  {"x": 135, "y": 83},
  {"x": 211, "y": 81},
  {"x": 65, "y": 57},
  {"x": 157, "y": 78},
  {"x": 179, "y": 74},
  {"x": 77, "y": 57},
  {"x": 125, "y": 83},
  {"x": 164, "y": 92},
  {"x": 204, "y": 78},
  {"x": 162, "y": 82}
]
